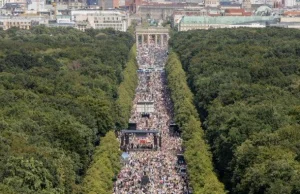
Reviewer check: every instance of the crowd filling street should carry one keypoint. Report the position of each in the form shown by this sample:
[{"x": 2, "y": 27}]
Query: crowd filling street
[{"x": 152, "y": 171}]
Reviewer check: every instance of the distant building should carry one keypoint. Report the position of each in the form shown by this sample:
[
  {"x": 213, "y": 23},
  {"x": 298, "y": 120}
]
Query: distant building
[
  {"x": 214, "y": 11},
  {"x": 65, "y": 25},
  {"x": 121, "y": 3},
  {"x": 109, "y": 4},
  {"x": 262, "y": 2},
  {"x": 236, "y": 12},
  {"x": 292, "y": 13},
  {"x": 187, "y": 1},
  {"x": 133, "y": 5},
  {"x": 208, "y": 22},
  {"x": 13, "y": 9},
  {"x": 288, "y": 22},
  {"x": 35, "y": 6},
  {"x": 16, "y": 1},
  {"x": 63, "y": 19},
  {"x": 208, "y": 11},
  {"x": 230, "y": 5},
  {"x": 82, "y": 26},
  {"x": 178, "y": 14},
  {"x": 76, "y": 5},
  {"x": 117, "y": 22},
  {"x": 92, "y": 3},
  {"x": 60, "y": 8},
  {"x": 158, "y": 11},
  {"x": 2, "y": 3},
  {"x": 290, "y": 3},
  {"x": 211, "y": 3},
  {"x": 263, "y": 11},
  {"x": 98, "y": 19},
  {"x": 247, "y": 5},
  {"x": 21, "y": 22}
]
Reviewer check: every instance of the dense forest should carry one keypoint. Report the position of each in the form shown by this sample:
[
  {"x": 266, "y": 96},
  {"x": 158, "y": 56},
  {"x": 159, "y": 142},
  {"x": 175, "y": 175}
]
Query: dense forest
[
  {"x": 106, "y": 164},
  {"x": 58, "y": 95},
  {"x": 202, "y": 177},
  {"x": 104, "y": 168},
  {"x": 246, "y": 84},
  {"x": 126, "y": 91}
]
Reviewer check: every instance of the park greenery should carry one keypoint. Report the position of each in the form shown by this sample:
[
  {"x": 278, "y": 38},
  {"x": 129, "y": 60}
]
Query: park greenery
[
  {"x": 106, "y": 164},
  {"x": 126, "y": 91},
  {"x": 59, "y": 89},
  {"x": 202, "y": 177},
  {"x": 104, "y": 168},
  {"x": 247, "y": 91}
]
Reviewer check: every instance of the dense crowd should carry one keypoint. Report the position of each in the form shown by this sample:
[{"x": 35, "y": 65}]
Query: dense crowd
[{"x": 153, "y": 170}]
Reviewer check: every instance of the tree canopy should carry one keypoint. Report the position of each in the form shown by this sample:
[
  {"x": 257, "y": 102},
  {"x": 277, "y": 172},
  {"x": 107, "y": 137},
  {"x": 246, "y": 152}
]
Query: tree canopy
[
  {"x": 247, "y": 90},
  {"x": 106, "y": 165},
  {"x": 202, "y": 177},
  {"x": 58, "y": 92},
  {"x": 126, "y": 91}
]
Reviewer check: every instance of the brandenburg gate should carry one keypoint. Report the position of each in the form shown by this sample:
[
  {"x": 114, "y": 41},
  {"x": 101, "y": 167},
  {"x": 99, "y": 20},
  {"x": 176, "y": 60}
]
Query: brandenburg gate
[{"x": 156, "y": 35}]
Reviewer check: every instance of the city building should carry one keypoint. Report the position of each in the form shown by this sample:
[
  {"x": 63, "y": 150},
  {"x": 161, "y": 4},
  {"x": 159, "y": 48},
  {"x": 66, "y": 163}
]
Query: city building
[
  {"x": 82, "y": 26},
  {"x": 208, "y": 11},
  {"x": 236, "y": 12},
  {"x": 108, "y": 4},
  {"x": 188, "y": 1},
  {"x": 184, "y": 14},
  {"x": 208, "y": 22},
  {"x": 230, "y": 5},
  {"x": 10, "y": 9},
  {"x": 2, "y": 3},
  {"x": 289, "y": 22},
  {"x": 115, "y": 21},
  {"x": 35, "y": 6},
  {"x": 16, "y": 1},
  {"x": 158, "y": 11},
  {"x": 247, "y": 5},
  {"x": 7, "y": 22},
  {"x": 178, "y": 14},
  {"x": 290, "y": 3},
  {"x": 211, "y": 3},
  {"x": 98, "y": 19},
  {"x": 60, "y": 19},
  {"x": 53, "y": 23},
  {"x": 291, "y": 13},
  {"x": 121, "y": 3},
  {"x": 133, "y": 5}
]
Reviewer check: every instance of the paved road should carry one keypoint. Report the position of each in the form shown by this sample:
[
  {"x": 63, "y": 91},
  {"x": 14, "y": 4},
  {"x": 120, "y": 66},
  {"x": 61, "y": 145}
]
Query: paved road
[{"x": 152, "y": 171}]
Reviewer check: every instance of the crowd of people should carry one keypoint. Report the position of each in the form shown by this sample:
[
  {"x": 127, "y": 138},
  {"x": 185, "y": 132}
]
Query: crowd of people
[{"x": 152, "y": 171}]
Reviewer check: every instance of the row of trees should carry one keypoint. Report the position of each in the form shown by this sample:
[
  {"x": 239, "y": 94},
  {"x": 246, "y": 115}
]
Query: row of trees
[
  {"x": 104, "y": 168},
  {"x": 106, "y": 160},
  {"x": 247, "y": 91},
  {"x": 58, "y": 91},
  {"x": 126, "y": 91},
  {"x": 200, "y": 169}
]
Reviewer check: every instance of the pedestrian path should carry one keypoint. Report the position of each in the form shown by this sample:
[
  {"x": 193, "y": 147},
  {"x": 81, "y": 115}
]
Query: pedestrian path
[{"x": 152, "y": 171}]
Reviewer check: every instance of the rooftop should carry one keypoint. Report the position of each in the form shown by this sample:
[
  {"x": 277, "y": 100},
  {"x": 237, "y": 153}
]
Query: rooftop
[
  {"x": 139, "y": 131},
  {"x": 152, "y": 29},
  {"x": 225, "y": 19},
  {"x": 95, "y": 11}
]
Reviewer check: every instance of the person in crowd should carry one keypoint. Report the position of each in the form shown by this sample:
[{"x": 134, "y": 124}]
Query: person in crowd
[{"x": 152, "y": 171}]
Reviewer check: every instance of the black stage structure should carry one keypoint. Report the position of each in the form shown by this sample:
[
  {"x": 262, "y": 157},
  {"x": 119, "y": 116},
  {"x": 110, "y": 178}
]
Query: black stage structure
[
  {"x": 174, "y": 129},
  {"x": 131, "y": 126},
  {"x": 127, "y": 146}
]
